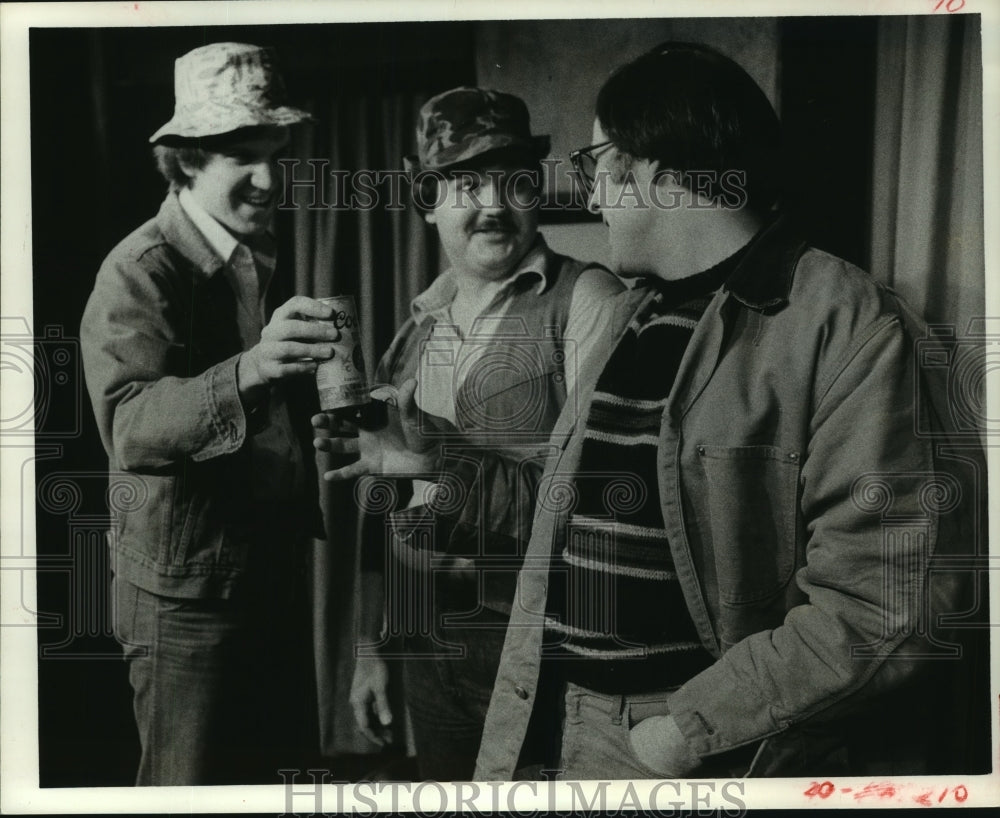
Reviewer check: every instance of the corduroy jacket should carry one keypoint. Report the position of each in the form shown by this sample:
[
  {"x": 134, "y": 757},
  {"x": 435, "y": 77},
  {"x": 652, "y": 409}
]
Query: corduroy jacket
[{"x": 804, "y": 506}]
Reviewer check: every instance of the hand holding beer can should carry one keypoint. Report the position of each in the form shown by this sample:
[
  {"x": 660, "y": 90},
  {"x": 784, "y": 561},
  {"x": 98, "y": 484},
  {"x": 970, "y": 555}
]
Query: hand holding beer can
[{"x": 341, "y": 381}]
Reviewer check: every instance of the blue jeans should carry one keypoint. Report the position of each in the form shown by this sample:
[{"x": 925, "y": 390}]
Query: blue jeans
[
  {"x": 448, "y": 692},
  {"x": 596, "y": 745},
  {"x": 595, "y": 734},
  {"x": 220, "y": 686}
]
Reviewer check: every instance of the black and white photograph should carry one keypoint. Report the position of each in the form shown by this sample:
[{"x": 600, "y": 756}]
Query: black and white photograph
[{"x": 551, "y": 408}]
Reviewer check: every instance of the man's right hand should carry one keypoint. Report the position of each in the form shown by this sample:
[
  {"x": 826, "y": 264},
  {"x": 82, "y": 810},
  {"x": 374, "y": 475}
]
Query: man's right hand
[
  {"x": 370, "y": 700},
  {"x": 297, "y": 338}
]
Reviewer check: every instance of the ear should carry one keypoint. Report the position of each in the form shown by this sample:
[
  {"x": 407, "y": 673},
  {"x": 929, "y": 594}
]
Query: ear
[{"x": 189, "y": 170}]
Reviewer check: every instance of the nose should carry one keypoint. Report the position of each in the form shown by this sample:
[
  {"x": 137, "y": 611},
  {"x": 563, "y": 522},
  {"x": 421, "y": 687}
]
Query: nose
[
  {"x": 264, "y": 174},
  {"x": 493, "y": 192},
  {"x": 593, "y": 198}
]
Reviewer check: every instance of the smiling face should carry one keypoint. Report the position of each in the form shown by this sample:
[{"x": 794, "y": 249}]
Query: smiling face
[
  {"x": 238, "y": 186},
  {"x": 487, "y": 219}
]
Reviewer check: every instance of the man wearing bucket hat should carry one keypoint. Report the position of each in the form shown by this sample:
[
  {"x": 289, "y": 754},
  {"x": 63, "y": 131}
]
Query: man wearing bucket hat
[
  {"x": 197, "y": 366},
  {"x": 489, "y": 354}
]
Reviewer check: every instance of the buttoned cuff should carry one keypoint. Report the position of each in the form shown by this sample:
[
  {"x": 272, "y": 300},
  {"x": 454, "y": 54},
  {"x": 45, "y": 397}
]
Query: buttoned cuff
[{"x": 715, "y": 717}]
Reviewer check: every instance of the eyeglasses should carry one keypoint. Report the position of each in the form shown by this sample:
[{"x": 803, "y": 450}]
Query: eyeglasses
[{"x": 584, "y": 162}]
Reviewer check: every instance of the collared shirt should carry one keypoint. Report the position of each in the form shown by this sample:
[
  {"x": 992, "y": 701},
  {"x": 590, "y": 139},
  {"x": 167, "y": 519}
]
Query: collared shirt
[
  {"x": 249, "y": 271},
  {"x": 450, "y": 352}
]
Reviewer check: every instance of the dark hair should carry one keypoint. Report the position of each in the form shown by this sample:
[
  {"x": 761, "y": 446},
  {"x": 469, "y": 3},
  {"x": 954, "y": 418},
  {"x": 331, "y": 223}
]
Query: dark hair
[
  {"x": 690, "y": 108},
  {"x": 425, "y": 192},
  {"x": 168, "y": 163},
  {"x": 170, "y": 151}
]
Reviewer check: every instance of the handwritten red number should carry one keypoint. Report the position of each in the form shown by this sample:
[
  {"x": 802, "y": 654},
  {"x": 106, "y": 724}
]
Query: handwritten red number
[
  {"x": 961, "y": 793},
  {"x": 824, "y": 790},
  {"x": 950, "y": 6}
]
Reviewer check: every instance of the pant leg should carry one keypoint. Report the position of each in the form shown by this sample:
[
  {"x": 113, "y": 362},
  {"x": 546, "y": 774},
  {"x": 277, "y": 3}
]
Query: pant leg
[
  {"x": 223, "y": 689},
  {"x": 183, "y": 658},
  {"x": 447, "y": 696}
]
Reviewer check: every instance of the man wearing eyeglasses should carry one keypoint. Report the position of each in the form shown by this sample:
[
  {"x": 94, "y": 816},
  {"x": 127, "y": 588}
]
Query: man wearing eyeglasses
[{"x": 722, "y": 597}]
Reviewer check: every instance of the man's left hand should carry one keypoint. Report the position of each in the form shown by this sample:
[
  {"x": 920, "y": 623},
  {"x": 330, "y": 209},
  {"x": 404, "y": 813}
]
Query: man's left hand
[
  {"x": 396, "y": 449},
  {"x": 659, "y": 744}
]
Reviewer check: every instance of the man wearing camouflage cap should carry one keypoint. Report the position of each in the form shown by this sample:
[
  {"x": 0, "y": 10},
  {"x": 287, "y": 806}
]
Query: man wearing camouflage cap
[
  {"x": 490, "y": 354},
  {"x": 195, "y": 361}
]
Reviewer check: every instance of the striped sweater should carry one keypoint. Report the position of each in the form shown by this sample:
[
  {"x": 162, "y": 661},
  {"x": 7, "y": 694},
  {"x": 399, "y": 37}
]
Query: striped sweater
[{"x": 616, "y": 619}]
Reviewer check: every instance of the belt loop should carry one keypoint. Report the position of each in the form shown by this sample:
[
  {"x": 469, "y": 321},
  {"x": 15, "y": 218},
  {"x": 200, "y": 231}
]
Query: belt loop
[{"x": 617, "y": 717}]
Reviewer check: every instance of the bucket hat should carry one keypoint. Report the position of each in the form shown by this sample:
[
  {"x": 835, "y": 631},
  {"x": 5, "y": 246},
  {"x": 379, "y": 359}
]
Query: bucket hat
[
  {"x": 463, "y": 123},
  {"x": 221, "y": 87}
]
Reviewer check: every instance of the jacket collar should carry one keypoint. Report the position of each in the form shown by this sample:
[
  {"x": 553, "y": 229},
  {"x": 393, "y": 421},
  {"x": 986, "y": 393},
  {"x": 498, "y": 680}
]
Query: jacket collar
[
  {"x": 186, "y": 238},
  {"x": 763, "y": 278}
]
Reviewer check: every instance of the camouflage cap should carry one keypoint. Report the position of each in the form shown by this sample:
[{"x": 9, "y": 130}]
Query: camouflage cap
[{"x": 463, "y": 123}]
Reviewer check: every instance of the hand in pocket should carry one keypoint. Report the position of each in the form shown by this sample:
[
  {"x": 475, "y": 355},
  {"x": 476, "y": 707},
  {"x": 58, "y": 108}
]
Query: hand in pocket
[{"x": 659, "y": 745}]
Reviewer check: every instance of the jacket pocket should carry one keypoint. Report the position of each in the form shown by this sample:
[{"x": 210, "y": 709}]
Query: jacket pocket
[
  {"x": 752, "y": 500},
  {"x": 190, "y": 513},
  {"x": 198, "y": 532}
]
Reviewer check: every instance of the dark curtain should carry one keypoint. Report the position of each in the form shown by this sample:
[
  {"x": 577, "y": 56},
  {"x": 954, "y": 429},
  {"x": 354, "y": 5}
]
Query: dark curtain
[
  {"x": 96, "y": 96},
  {"x": 383, "y": 255}
]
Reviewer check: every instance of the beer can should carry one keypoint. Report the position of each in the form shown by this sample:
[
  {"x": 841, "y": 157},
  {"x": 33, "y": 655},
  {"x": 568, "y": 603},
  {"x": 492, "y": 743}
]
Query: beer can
[{"x": 341, "y": 380}]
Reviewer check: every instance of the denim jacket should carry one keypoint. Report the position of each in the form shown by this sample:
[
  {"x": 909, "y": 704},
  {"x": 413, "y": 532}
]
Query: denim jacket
[
  {"x": 160, "y": 346},
  {"x": 802, "y": 509}
]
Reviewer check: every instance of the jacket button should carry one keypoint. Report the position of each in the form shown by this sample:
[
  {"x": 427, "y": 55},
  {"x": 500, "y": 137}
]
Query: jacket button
[
  {"x": 794, "y": 457},
  {"x": 701, "y": 450},
  {"x": 521, "y": 692}
]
